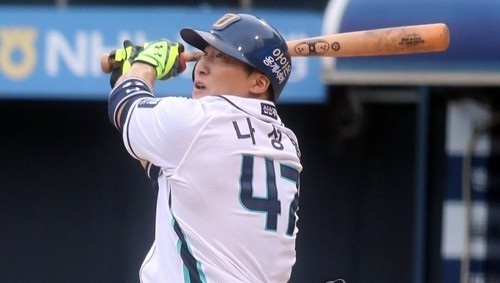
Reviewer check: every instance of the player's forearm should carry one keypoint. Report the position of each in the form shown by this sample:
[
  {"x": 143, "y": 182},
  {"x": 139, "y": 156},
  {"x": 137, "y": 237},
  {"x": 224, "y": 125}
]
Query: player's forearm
[{"x": 140, "y": 70}]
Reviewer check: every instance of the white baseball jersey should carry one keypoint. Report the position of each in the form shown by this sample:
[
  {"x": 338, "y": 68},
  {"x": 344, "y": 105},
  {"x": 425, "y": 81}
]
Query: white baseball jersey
[{"x": 228, "y": 185}]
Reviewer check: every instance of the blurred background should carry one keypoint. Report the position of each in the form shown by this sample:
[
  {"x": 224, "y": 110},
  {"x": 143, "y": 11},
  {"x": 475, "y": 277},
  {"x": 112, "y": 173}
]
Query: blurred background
[{"x": 401, "y": 179}]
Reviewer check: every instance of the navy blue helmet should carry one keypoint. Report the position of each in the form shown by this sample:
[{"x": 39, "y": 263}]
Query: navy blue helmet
[{"x": 251, "y": 40}]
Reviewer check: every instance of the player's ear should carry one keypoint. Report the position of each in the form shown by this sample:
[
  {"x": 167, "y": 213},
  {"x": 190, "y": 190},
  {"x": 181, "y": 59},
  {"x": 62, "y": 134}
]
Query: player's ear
[{"x": 260, "y": 83}]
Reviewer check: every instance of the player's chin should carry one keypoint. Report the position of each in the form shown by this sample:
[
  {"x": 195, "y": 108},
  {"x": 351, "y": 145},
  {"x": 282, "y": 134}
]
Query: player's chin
[{"x": 199, "y": 93}]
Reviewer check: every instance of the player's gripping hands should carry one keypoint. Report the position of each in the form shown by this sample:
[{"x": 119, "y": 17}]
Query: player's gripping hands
[
  {"x": 125, "y": 57},
  {"x": 164, "y": 56}
]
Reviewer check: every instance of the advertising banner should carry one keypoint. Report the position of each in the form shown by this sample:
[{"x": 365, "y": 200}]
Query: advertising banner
[{"x": 54, "y": 53}]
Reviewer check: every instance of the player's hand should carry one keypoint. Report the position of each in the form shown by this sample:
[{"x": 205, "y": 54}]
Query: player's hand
[
  {"x": 164, "y": 56},
  {"x": 125, "y": 56}
]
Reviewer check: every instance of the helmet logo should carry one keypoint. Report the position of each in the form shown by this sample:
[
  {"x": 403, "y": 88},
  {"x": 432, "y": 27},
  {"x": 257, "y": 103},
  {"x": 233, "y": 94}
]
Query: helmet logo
[{"x": 225, "y": 21}]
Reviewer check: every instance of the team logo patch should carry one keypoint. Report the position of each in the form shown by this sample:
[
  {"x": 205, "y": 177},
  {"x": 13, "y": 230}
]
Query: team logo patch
[
  {"x": 269, "y": 110},
  {"x": 225, "y": 21},
  {"x": 149, "y": 103}
]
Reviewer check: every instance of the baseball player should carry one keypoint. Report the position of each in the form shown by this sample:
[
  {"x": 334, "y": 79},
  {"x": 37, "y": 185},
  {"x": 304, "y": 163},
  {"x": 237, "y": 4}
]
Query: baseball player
[{"x": 227, "y": 168}]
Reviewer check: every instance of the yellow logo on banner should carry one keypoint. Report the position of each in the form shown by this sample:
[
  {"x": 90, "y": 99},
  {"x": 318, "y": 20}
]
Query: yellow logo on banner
[{"x": 17, "y": 41}]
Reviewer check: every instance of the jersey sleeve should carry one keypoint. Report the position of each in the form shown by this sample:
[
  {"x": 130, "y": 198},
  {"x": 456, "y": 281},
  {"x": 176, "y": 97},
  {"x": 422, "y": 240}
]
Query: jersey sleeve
[
  {"x": 161, "y": 130},
  {"x": 122, "y": 97}
]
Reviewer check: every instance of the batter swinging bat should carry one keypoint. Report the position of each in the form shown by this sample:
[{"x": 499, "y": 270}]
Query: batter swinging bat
[{"x": 376, "y": 42}]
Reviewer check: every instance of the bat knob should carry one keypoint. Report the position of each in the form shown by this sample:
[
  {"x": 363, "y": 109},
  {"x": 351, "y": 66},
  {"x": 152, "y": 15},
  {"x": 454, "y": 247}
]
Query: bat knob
[{"x": 105, "y": 64}]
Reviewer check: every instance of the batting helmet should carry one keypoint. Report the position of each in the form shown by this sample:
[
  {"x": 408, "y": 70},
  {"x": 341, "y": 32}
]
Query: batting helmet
[{"x": 251, "y": 40}]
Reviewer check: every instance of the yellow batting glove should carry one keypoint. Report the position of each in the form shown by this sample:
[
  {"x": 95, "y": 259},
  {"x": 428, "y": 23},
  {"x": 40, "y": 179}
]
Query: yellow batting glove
[
  {"x": 164, "y": 56},
  {"x": 125, "y": 56}
]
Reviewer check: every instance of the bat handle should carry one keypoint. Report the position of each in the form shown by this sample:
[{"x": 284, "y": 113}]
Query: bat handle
[{"x": 108, "y": 63}]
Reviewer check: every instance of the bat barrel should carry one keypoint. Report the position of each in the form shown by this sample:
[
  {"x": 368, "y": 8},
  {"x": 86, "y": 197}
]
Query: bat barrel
[{"x": 377, "y": 42}]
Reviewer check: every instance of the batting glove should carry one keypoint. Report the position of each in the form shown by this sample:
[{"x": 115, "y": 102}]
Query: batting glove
[
  {"x": 164, "y": 56},
  {"x": 125, "y": 56}
]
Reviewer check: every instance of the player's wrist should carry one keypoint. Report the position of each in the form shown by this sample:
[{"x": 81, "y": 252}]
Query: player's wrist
[{"x": 141, "y": 70}]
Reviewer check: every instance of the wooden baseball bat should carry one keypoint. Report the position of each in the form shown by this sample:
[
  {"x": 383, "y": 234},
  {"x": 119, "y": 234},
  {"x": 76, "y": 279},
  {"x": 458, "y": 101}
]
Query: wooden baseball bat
[{"x": 376, "y": 42}]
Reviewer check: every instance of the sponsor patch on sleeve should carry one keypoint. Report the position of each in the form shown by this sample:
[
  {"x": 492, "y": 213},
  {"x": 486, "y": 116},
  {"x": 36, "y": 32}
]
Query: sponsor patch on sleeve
[
  {"x": 269, "y": 110},
  {"x": 149, "y": 103}
]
